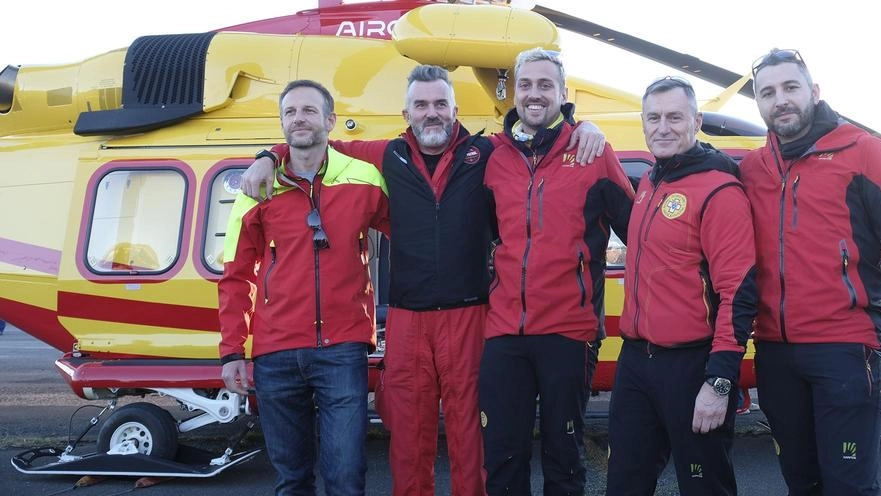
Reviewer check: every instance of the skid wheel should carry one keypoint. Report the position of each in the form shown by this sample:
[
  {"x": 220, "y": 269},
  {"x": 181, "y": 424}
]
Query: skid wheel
[{"x": 148, "y": 428}]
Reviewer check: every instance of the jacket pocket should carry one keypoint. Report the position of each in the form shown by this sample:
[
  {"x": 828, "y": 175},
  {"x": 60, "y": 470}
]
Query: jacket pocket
[
  {"x": 268, "y": 272},
  {"x": 873, "y": 369},
  {"x": 845, "y": 261},
  {"x": 579, "y": 278},
  {"x": 541, "y": 195},
  {"x": 364, "y": 248}
]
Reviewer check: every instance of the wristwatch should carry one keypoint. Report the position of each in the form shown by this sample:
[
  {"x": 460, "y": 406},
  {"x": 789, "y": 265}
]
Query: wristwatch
[
  {"x": 721, "y": 385},
  {"x": 268, "y": 154}
]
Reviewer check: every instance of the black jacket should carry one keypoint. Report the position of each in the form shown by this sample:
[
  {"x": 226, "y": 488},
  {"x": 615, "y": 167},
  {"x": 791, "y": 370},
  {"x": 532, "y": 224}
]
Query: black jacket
[{"x": 440, "y": 246}]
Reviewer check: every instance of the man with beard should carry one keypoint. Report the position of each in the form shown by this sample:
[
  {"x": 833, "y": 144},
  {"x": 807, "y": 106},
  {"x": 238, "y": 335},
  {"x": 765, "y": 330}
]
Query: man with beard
[
  {"x": 546, "y": 307},
  {"x": 442, "y": 227},
  {"x": 815, "y": 190},
  {"x": 312, "y": 325},
  {"x": 689, "y": 304}
]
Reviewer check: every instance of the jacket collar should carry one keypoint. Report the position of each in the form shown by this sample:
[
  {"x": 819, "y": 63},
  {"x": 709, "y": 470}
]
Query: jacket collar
[{"x": 700, "y": 158}]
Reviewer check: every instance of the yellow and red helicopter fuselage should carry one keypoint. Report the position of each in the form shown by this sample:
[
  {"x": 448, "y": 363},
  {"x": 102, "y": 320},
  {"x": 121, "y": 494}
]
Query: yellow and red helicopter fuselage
[{"x": 118, "y": 173}]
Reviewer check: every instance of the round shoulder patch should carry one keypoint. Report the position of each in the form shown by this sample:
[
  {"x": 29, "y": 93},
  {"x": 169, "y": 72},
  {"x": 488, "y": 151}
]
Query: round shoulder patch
[
  {"x": 674, "y": 205},
  {"x": 472, "y": 156}
]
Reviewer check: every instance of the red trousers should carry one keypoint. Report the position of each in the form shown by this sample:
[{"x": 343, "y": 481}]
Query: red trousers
[{"x": 432, "y": 360}]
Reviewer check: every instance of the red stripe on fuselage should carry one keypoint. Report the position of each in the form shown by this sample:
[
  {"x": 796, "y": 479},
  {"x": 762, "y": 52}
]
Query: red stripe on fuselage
[
  {"x": 39, "y": 322},
  {"x": 103, "y": 308}
]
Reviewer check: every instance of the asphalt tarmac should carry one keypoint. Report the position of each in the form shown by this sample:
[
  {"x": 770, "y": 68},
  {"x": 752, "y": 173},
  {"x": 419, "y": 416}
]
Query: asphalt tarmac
[{"x": 38, "y": 409}]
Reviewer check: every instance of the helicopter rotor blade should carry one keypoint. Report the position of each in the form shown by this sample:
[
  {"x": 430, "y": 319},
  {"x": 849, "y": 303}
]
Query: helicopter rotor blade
[{"x": 688, "y": 64}]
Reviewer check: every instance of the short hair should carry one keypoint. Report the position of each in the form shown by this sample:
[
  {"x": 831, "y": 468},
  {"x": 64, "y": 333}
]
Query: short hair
[
  {"x": 308, "y": 83},
  {"x": 537, "y": 55},
  {"x": 669, "y": 83},
  {"x": 427, "y": 73},
  {"x": 779, "y": 56}
]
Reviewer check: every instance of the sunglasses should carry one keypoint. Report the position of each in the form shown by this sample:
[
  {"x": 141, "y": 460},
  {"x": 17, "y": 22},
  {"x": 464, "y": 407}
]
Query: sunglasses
[
  {"x": 777, "y": 56},
  {"x": 675, "y": 79},
  {"x": 313, "y": 220},
  {"x": 669, "y": 82}
]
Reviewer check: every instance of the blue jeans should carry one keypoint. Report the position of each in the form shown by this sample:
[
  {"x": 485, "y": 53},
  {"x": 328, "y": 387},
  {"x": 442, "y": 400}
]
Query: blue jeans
[{"x": 290, "y": 385}]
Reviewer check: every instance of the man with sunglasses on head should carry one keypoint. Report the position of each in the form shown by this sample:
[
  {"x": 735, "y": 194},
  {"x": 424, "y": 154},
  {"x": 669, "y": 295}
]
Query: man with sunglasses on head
[
  {"x": 312, "y": 323},
  {"x": 690, "y": 299},
  {"x": 815, "y": 190},
  {"x": 442, "y": 226}
]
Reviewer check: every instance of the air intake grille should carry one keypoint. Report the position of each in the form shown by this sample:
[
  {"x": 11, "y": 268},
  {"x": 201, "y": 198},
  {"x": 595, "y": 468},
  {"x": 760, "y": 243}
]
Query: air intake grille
[{"x": 166, "y": 70}]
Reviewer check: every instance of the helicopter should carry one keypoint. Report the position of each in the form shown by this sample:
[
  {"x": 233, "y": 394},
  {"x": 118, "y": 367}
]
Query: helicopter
[{"x": 128, "y": 163}]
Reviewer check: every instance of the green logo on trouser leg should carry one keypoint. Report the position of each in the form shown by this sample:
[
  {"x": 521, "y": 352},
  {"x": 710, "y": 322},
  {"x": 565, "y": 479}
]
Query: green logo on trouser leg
[
  {"x": 697, "y": 472},
  {"x": 849, "y": 450}
]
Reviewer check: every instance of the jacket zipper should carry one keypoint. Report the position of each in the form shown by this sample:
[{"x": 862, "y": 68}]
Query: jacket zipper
[
  {"x": 795, "y": 202},
  {"x": 531, "y": 169},
  {"x": 579, "y": 277},
  {"x": 845, "y": 261},
  {"x": 785, "y": 177},
  {"x": 317, "y": 280},
  {"x": 643, "y": 229},
  {"x": 438, "y": 243},
  {"x": 648, "y": 227},
  {"x": 268, "y": 271}
]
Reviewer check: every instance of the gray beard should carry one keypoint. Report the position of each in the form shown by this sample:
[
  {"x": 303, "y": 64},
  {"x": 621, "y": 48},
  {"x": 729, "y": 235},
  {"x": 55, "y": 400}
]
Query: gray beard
[{"x": 434, "y": 139}]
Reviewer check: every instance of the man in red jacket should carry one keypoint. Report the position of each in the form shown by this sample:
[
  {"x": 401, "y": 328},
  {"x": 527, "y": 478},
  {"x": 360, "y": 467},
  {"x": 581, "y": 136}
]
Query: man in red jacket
[
  {"x": 313, "y": 325},
  {"x": 690, "y": 299},
  {"x": 546, "y": 300},
  {"x": 815, "y": 190}
]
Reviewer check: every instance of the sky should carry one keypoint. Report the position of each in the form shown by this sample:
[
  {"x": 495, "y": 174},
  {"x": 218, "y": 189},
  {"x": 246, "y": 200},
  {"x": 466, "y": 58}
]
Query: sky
[{"x": 838, "y": 44}]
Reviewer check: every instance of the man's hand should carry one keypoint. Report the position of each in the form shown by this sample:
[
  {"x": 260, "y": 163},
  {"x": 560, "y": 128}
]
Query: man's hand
[
  {"x": 261, "y": 173},
  {"x": 235, "y": 376},
  {"x": 709, "y": 410},
  {"x": 590, "y": 140}
]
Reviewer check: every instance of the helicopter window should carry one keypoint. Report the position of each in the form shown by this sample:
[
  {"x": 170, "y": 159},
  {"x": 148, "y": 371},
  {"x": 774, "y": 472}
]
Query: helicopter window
[
  {"x": 224, "y": 188},
  {"x": 616, "y": 252},
  {"x": 133, "y": 228}
]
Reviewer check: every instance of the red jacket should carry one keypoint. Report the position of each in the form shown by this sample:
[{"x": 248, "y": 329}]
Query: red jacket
[
  {"x": 690, "y": 277},
  {"x": 818, "y": 231},
  {"x": 553, "y": 217},
  {"x": 305, "y": 298}
]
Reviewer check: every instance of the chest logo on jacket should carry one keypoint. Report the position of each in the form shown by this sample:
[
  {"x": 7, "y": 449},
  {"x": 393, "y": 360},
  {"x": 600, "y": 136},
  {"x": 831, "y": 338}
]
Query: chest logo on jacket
[
  {"x": 569, "y": 161},
  {"x": 674, "y": 205},
  {"x": 472, "y": 156}
]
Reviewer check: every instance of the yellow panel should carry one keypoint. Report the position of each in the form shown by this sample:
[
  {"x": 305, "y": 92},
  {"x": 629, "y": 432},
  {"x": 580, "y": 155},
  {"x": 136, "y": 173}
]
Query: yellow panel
[
  {"x": 100, "y": 336},
  {"x": 614, "y": 296},
  {"x": 36, "y": 290}
]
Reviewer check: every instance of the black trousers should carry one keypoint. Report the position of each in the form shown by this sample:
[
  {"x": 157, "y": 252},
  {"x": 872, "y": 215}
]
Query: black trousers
[
  {"x": 650, "y": 417},
  {"x": 824, "y": 407},
  {"x": 513, "y": 371}
]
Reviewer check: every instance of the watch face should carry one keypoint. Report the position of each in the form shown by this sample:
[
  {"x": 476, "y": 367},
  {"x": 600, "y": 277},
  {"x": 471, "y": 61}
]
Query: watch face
[{"x": 722, "y": 386}]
